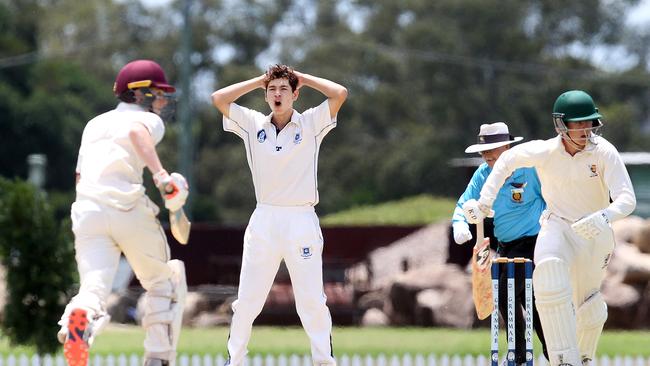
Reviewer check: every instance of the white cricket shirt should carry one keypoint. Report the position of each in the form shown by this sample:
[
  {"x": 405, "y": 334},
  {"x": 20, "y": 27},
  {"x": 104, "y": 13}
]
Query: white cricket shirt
[
  {"x": 110, "y": 169},
  {"x": 572, "y": 186},
  {"x": 284, "y": 166}
]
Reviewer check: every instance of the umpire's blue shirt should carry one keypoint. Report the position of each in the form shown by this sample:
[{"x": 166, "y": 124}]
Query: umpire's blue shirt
[{"x": 517, "y": 207}]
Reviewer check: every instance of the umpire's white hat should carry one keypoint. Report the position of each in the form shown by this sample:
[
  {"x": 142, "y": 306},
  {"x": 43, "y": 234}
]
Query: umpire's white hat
[{"x": 491, "y": 136}]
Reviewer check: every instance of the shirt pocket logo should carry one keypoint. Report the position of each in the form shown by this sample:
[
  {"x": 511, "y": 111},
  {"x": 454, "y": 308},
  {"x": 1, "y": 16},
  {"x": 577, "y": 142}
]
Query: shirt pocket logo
[
  {"x": 261, "y": 136},
  {"x": 517, "y": 192}
]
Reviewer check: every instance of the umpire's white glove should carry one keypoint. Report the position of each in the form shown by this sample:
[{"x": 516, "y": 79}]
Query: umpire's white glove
[
  {"x": 173, "y": 188},
  {"x": 475, "y": 211},
  {"x": 461, "y": 232},
  {"x": 591, "y": 226}
]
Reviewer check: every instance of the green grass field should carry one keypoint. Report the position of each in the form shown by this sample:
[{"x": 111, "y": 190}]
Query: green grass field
[
  {"x": 417, "y": 210},
  {"x": 347, "y": 340}
]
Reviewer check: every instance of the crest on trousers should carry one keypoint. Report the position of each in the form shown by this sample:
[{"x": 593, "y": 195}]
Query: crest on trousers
[
  {"x": 306, "y": 252},
  {"x": 594, "y": 170},
  {"x": 261, "y": 136}
]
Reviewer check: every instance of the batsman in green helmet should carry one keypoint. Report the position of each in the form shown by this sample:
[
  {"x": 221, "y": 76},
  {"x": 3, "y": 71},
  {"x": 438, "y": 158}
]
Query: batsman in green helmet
[
  {"x": 586, "y": 187},
  {"x": 577, "y": 120}
]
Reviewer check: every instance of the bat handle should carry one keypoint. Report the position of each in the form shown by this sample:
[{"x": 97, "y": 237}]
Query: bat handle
[{"x": 480, "y": 234}]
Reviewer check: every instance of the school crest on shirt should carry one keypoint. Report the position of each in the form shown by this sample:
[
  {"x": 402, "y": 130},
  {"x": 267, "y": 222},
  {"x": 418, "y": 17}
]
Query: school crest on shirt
[
  {"x": 517, "y": 192},
  {"x": 594, "y": 170},
  {"x": 297, "y": 138},
  {"x": 261, "y": 136},
  {"x": 306, "y": 252}
]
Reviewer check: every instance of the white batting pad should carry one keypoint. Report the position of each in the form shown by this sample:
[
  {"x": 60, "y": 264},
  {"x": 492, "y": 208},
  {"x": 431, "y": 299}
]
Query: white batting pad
[
  {"x": 591, "y": 317},
  {"x": 551, "y": 283},
  {"x": 178, "y": 302}
]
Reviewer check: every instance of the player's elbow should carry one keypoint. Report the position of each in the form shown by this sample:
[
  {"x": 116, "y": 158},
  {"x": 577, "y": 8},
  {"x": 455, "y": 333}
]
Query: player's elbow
[
  {"x": 220, "y": 102},
  {"x": 632, "y": 202},
  {"x": 342, "y": 94}
]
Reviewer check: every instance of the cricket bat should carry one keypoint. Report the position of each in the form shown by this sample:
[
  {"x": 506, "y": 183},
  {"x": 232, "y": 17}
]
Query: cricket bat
[
  {"x": 481, "y": 274},
  {"x": 180, "y": 225}
]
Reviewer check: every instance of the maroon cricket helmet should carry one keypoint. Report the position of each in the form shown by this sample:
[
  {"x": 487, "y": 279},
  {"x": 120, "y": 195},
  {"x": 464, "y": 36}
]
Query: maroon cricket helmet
[{"x": 141, "y": 74}]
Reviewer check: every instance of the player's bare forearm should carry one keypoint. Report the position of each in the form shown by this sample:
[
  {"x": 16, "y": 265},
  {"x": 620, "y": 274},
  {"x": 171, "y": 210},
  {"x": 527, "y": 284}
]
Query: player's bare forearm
[
  {"x": 222, "y": 98},
  {"x": 335, "y": 93},
  {"x": 145, "y": 147}
]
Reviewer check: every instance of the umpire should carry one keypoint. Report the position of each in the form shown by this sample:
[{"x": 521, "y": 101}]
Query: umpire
[{"x": 518, "y": 207}]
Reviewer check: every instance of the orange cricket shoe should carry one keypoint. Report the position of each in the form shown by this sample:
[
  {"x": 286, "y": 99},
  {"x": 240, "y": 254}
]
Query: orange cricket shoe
[{"x": 75, "y": 348}]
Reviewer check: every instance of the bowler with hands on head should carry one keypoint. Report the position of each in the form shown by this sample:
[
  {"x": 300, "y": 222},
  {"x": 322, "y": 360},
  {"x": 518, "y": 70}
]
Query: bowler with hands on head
[
  {"x": 586, "y": 187},
  {"x": 517, "y": 209},
  {"x": 282, "y": 152}
]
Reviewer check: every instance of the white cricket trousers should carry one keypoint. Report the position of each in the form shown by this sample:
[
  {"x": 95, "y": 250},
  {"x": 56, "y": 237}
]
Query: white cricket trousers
[
  {"x": 275, "y": 233},
  {"x": 102, "y": 234},
  {"x": 568, "y": 276},
  {"x": 587, "y": 260}
]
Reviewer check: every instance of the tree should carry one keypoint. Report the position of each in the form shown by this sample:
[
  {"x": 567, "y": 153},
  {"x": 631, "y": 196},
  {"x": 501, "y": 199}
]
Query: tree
[{"x": 38, "y": 256}]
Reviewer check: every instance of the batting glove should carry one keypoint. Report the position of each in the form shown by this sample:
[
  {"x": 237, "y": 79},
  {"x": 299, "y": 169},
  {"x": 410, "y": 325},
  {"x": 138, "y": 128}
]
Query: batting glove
[
  {"x": 173, "y": 188},
  {"x": 591, "y": 226},
  {"x": 461, "y": 232},
  {"x": 476, "y": 212}
]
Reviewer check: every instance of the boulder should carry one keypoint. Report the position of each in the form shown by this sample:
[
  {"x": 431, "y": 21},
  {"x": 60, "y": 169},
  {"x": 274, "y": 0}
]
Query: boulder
[
  {"x": 195, "y": 303},
  {"x": 445, "y": 307},
  {"x": 374, "y": 318},
  {"x": 210, "y": 319},
  {"x": 627, "y": 229},
  {"x": 623, "y": 301},
  {"x": 121, "y": 306},
  {"x": 642, "y": 237},
  {"x": 371, "y": 300},
  {"x": 427, "y": 246},
  {"x": 630, "y": 265},
  {"x": 452, "y": 293}
]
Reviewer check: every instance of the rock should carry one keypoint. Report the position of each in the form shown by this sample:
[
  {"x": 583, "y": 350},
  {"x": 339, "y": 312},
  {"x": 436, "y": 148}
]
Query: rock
[
  {"x": 627, "y": 229},
  {"x": 122, "y": 306},
  {"x": 427, "y": 246},
  {"x": 630, "y": 265},
  {"x": 210, "y": 319},
  {"x": 453, "y": 294},
  {"x": 371, "y": 300},
  {"x": 445, "y": 307},
  {"x": 374, "y": 318},
  {"x": 195, "y": 304},
  {"x": 622, "y": 304},
  {"x": 642, "y": 237}
]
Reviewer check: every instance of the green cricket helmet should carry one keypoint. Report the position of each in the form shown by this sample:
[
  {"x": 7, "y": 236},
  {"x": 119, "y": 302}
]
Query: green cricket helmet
[{"x": 576, "y": 106}]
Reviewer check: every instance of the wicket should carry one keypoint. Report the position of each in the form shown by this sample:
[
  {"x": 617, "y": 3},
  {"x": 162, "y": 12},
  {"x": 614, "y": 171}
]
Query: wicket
[{"x": 528, "y": 278}]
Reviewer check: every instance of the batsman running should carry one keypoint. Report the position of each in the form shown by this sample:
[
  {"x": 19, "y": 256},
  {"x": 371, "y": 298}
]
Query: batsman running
[
  {"x": 517, "y": 209},
  {"x": 586, "y": 187},
  {"x": 112, "y": 215},
  {"x": 282, "y": 150}
]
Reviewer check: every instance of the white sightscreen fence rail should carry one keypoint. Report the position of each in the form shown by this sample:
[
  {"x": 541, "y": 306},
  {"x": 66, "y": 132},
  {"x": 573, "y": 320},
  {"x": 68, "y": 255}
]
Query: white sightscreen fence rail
[{"x": 305, "y": 360}]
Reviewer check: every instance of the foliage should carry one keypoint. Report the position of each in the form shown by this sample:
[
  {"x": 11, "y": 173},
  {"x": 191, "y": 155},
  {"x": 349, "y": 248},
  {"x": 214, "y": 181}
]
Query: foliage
[
  {"x": 37, "y": 254},
  {"x": 417, "y": 210},
  {"x": 422, "y": 76}
]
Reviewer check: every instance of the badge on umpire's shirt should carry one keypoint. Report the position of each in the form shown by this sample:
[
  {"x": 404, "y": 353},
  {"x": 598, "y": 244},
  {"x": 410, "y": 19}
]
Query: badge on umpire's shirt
[
  {"x": 261, "y": 136},
  {"x": 517, "y": 191},
  {"x": 306, "y": 252}
]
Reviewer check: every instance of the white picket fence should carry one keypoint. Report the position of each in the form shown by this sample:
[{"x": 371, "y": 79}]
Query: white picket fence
[{"x": 305, "y": 360}]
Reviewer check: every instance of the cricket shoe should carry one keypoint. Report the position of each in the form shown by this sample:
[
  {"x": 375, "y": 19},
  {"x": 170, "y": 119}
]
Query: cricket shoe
[{"x": 75, "y": 348}]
